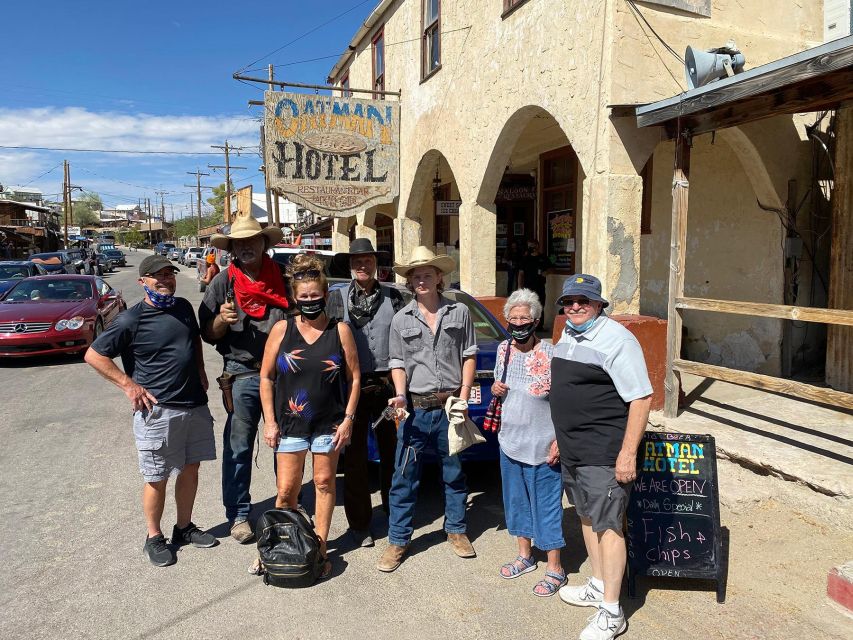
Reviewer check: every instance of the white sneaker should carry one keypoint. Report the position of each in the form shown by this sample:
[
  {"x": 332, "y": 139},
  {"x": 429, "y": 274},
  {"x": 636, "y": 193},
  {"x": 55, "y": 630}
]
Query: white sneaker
[
  {"x": 604, "y": 626},
  {"x": 585, "y": 595}
]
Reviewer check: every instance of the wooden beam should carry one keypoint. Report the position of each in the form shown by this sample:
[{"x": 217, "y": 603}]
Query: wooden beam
[
  {"x": 677, "y": 251},
  {"x": 784, "y": 311},
  {"x": 767, "y": 383}
]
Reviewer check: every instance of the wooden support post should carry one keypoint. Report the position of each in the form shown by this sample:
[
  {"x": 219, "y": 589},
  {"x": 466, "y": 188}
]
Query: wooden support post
[
  {"x": 839, "y": 339},
  {"x": 677, "y": 250}
]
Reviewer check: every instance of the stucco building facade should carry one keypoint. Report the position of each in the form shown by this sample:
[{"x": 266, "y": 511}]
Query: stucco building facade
[{"x": 510, "y": 111}]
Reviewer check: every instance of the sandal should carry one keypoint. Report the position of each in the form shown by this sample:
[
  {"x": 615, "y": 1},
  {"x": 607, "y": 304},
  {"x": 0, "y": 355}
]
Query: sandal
[
  {"x": 256, "y": 569},
  {"x": 514, "y": 570},
  {"x": 548, "y": 587},
  {"x": 327, "y": 568}
]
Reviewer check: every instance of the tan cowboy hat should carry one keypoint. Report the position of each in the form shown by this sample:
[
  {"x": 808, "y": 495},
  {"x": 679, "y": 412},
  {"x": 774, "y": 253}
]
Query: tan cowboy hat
[
  {"x": 423, "y": 257},
  {"x": 245, "y": 227}
]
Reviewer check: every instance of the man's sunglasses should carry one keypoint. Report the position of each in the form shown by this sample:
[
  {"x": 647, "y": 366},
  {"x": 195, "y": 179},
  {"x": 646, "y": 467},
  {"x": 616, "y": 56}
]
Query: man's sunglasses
[
  {"x": 568, "y": 302},
  {"x": 308, "y": 273}
]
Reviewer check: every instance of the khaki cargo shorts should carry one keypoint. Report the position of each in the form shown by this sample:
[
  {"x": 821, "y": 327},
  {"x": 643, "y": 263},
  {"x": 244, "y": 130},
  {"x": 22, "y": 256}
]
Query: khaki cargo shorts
[{"x": 167, "y": 438}]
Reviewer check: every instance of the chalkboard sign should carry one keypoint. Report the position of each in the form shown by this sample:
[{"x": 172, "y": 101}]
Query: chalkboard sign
[{"x": 674, "y": 511}]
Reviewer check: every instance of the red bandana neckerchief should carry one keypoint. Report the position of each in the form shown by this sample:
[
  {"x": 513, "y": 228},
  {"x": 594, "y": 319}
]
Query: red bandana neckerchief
[{"x": 253, "y": 296}]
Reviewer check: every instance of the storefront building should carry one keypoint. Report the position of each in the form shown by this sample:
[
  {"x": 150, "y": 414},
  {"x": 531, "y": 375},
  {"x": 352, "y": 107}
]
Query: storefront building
[{"x": 511, "y": 133}]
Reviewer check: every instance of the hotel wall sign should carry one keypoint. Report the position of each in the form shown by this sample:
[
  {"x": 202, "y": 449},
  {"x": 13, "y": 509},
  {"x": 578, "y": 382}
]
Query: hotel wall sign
[{"x": 334, "y": 156}]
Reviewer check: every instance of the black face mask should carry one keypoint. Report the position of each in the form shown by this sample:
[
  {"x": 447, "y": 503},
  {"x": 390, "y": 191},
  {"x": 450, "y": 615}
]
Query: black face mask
[
  {"x": 311, "y": 309},
  {"x": 521, "y": 332}
]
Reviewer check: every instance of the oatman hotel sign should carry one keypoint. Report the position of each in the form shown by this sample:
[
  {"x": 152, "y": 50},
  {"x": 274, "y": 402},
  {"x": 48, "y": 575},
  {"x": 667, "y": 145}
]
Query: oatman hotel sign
[{"x": 332, "y": 155}]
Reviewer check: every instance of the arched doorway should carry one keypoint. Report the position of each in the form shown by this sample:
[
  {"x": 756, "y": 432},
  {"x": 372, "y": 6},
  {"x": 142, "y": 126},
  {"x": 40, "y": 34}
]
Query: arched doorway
[{"x": 534, "y": 182}]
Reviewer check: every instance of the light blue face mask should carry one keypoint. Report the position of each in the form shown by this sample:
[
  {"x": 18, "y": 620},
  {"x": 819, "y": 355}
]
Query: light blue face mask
[{"x": 580, "y": 329}]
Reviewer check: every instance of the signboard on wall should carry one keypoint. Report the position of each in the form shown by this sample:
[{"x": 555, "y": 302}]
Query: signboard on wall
[
  {"x": 333, "y": 155},
  {"x": 561, "y": 238},
  {"x": 447, "y": 207}
]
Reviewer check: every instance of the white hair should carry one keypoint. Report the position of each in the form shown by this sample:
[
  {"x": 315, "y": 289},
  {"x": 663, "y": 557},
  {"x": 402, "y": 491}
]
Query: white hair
[{"x": 524, "y": 298}]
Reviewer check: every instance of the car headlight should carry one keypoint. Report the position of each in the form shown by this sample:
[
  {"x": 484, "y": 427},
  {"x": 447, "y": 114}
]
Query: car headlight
[{"x": 70, "y": 323}]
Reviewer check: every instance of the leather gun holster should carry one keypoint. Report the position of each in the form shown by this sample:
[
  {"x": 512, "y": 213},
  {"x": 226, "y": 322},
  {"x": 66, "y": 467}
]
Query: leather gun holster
[{"x": 226, "y": 382}]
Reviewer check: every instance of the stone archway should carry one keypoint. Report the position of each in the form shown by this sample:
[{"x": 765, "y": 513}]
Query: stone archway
[
  {"x": 422, "y": 224},
  {"x": 531, "y": 192}
]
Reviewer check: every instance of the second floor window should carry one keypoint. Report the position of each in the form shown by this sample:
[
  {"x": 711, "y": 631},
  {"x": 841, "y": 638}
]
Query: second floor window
[
  {"x": 379, "y": 62},
  {"x": 431, "y": 53},
  {"x": 345, "y": 92}
]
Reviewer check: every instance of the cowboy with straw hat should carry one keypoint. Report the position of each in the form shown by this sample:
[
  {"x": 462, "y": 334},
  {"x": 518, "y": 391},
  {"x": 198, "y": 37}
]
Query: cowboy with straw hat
[
  {"x": 432, "y": 355},
  {"x": 239, "y": 309},
  {"x": 368, "y": 306}
]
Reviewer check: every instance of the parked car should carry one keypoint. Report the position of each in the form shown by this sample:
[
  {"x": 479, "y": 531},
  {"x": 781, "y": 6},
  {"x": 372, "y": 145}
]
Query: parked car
[
  {"x": 117, "y": 256},
  {"x": 192, "y": 256},
  {"x": 53, "y": 262},
  {"x": 105, "y": 264},
  {"x": 74, "y": 258},
  {"x": 163, "y": 248},
  {"x": 283, "y": 255},
  {"x": 56, "y": 314},
  {"x": 11, "y": 271},
  {"x": 175, "y": 253},
  {"x": 490, "y": 333}
]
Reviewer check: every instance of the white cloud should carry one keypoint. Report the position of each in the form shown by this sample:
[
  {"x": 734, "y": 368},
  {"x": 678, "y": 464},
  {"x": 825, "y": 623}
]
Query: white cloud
[
  {"x": 74, "y": 127},
  {"x": 127, "y": 177}
]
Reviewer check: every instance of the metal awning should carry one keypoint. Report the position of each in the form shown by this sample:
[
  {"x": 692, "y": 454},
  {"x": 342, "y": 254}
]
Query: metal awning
[
  {"x": 813, "y": 80},
  {"x": 318, "y": 227}
]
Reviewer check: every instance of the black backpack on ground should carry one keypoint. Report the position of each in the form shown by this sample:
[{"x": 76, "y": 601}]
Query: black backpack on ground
[{"x": 289, "y": 548}]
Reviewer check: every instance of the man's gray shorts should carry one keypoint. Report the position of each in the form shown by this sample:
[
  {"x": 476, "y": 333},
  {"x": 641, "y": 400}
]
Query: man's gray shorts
[
  {"x": 597, "y": 496},
  {"x": 167, "y": 438}
]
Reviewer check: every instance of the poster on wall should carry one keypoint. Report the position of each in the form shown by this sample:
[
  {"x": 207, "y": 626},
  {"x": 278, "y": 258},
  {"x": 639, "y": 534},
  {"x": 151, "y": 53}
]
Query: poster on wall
[
  {"x": 561, "y": 238},
  {"x": 518, "y": 229},
  {"x": 500, "y": 229},
  {"x": 333, "y": 155}
]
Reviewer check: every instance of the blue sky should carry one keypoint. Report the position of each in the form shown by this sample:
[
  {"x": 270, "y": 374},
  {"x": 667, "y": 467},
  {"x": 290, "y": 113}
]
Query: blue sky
[{"x": 150, "y": 76}]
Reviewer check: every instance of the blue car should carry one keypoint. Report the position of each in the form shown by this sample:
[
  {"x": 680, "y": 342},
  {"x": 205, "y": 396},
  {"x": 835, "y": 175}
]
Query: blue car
[
  {"x": 13, "y": 271},
  {"x": 490, "y": 334}
]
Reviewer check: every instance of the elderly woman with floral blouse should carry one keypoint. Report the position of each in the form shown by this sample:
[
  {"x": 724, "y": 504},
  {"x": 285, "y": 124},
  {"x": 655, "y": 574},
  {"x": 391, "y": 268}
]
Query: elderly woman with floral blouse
[{"x": 530, "y": 471}]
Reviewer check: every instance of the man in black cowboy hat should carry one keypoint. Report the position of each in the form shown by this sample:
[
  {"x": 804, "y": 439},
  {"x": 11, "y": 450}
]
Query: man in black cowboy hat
[{"x": 368, "y": 307}]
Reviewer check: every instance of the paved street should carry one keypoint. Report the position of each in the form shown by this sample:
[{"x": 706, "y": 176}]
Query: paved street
[{"x": 71, "y": 535}]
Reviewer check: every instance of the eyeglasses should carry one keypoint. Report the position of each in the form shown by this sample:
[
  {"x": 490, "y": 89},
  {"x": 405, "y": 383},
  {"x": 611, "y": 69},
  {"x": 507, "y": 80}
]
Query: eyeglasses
[
  {"x": 522, "y": 319},
  {"x": 163, "y": 274},
  {"x": 570, "y": 302},
  {"x": 308, "y": 273}
]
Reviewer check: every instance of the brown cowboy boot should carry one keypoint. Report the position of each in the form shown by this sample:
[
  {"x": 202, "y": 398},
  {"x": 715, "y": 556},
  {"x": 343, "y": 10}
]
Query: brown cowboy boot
[
  {"x": 391, "y": 557},
  {"x": 462, "y": 547}
]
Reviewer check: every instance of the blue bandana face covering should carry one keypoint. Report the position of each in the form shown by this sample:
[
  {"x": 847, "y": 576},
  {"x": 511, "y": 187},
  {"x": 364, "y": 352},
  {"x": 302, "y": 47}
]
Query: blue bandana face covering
[
  {"x": 160, "y": 300},
  {"x": 580, "y": 329}
]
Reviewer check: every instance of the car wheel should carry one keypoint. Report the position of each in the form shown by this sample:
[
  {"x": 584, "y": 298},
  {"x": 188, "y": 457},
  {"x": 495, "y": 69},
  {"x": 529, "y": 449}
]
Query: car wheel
[{"x": 99, "y": 329}]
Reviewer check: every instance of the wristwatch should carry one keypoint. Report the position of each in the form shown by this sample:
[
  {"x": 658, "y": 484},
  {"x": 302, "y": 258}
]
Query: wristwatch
[{"x": 351, "y": 416}]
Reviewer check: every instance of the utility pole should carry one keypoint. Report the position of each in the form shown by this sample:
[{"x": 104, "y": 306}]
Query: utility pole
[
  {"x": 66, "y": 196},
  {"x": 276, "y": 214},
  {"x": 264, "y": 168},
  {"x": 198, "y": 186},
  {"x": 227, "y": 167}
]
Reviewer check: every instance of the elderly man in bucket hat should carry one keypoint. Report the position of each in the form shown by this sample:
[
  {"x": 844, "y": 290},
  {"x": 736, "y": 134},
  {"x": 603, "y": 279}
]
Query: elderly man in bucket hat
[
  {"x": 600, "y": 399},
  {"x": 239, "y": 308},
  {"x": 432, "y": 355},
  {"x": 368, "y": 307}
]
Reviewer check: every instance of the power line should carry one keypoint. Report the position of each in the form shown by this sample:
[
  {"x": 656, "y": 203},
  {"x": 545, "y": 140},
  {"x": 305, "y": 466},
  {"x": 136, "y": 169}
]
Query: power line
[
  {"x": 131, "y": 151},
  {"x": 307, "y": 33},
  {"x": 338, "y": 55},
  {"x": 42, "y": 175},
  {"x": 639, "y": 14}
]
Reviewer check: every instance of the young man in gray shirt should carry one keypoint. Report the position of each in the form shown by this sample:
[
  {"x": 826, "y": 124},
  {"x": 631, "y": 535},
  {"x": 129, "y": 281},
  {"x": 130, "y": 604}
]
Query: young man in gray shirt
[{"x": 432, "y": 355}]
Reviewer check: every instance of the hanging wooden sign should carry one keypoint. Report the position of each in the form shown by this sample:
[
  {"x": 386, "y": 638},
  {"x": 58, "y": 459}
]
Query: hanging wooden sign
[{"x": 333, "y": 155}]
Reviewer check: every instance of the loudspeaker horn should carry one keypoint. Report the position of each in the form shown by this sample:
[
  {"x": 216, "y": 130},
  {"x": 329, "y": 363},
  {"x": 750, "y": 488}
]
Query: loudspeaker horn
[{"x": 702, "y": 67}]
